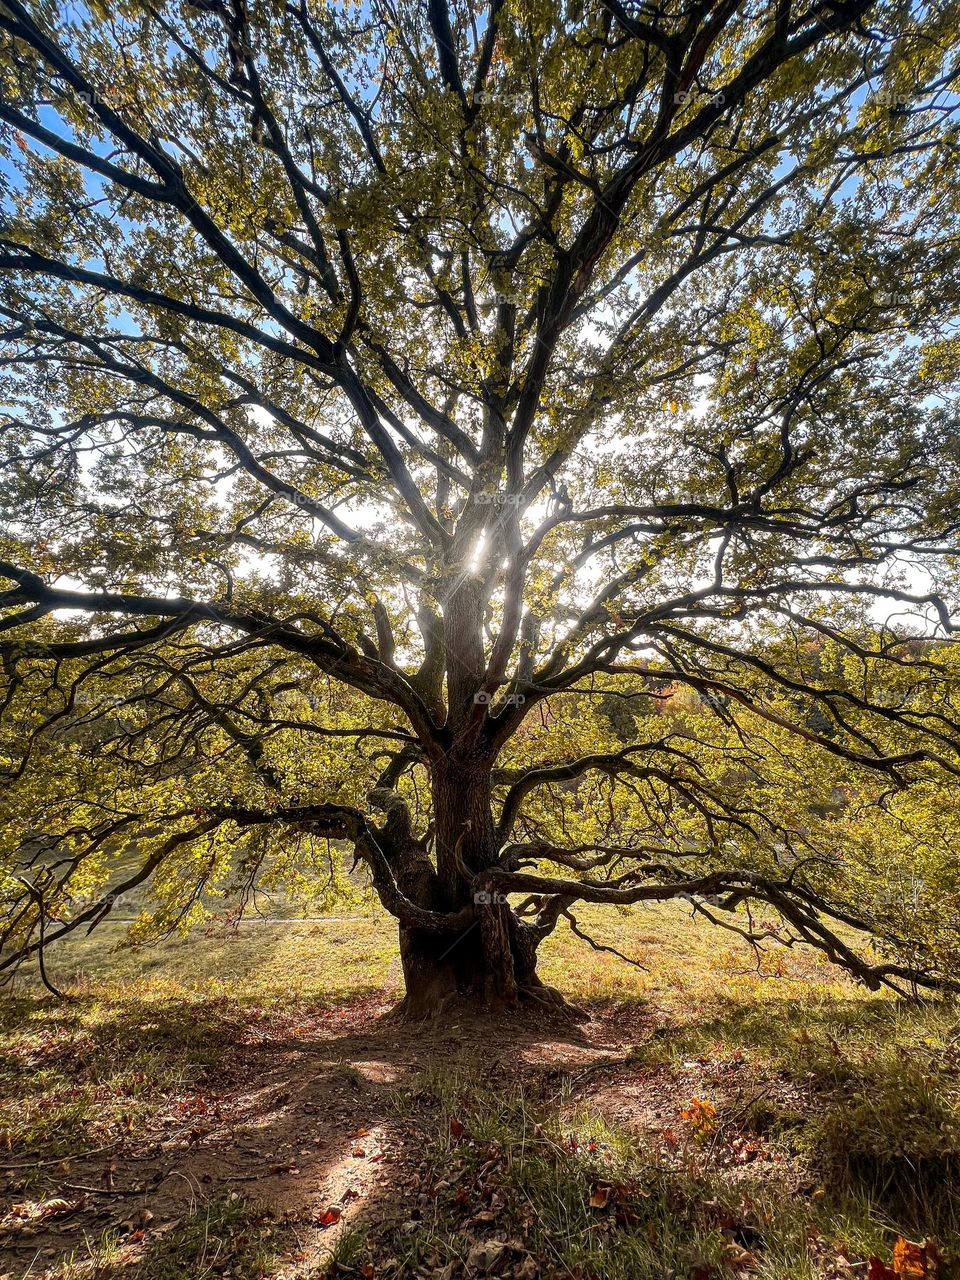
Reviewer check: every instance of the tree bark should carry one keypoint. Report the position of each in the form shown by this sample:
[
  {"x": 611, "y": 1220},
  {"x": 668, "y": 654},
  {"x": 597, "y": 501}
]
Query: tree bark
[
  {"x": 491, "y": 962},
  {"x": 463, "y": 823},
  {"x": 488, "y": 967}
]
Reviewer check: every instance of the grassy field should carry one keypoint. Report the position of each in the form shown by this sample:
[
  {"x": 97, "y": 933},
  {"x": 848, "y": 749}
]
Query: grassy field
[{"x": 231, "y": 1105}]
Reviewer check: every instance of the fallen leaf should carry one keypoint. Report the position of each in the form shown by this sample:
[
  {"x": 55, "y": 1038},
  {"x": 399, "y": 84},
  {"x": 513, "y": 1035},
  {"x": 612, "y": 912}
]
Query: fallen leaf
[
  {"x": 933, "y": 1255},
  {"x": 877, "y": 1270},
  {"x": 485, "y": 1255},
  {"x": 914, "y": 1260},
  {"x": 34, "y": 1210},
  {"x": 600, "y": 1197},
  {"x": 743, "y": 1259},
  {"x": 329, "y": 1216},
  {"x": 908, "y": 1258}
]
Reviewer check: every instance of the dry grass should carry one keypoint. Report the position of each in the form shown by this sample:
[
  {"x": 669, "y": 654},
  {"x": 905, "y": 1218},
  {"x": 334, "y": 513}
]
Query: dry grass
[{"x": 848, "y": 1102}]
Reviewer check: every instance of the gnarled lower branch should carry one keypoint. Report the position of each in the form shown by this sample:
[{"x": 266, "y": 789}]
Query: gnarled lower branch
[{"x": 802, "y": 907}]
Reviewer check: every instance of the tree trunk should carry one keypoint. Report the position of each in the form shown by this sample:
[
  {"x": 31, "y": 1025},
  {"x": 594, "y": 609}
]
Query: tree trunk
[
  {"x": 491, "y": 962},
  {"x": 463, "y": 824},
  {"x": 489, "y": 966}
]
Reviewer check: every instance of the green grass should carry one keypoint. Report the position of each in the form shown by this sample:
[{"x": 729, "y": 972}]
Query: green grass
[
  {"x": 685, "y": 962},
  {"x": 81, "y": 1075},
  {"x": 328, "y": 963},
  {"x": 860, "y": 1097},
  {"x": 587, "y": 1200},
  {"x": 146, "y": 1024},
  {"x": 225, "y": 1237}
]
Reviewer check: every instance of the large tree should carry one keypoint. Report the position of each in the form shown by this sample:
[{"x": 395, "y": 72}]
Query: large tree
[{"x": 520, "y": 370}]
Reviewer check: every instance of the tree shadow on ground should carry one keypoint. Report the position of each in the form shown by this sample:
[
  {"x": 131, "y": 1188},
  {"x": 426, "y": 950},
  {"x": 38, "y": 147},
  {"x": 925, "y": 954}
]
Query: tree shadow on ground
[
  {"x": 881, "y": 1083},
  {"x": 331, "y": 1118},
  {"x": 301, "y": 1107}
]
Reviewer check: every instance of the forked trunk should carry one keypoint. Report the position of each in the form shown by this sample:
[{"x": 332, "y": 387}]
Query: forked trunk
[
  {"x": 491, "y": 961},
  {"x": 489, "y": 966}
]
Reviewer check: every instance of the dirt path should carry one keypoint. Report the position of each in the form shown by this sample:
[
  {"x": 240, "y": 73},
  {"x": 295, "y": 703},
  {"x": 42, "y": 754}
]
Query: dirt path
[{"x": 311, "y": 1118}]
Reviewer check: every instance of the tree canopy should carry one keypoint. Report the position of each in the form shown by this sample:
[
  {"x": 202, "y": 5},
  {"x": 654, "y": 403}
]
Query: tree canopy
[{"x": 515, "y": 441}]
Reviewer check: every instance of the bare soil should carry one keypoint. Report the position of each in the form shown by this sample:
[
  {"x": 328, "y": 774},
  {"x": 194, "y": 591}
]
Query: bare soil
[{"x": 305, "y": 1119}]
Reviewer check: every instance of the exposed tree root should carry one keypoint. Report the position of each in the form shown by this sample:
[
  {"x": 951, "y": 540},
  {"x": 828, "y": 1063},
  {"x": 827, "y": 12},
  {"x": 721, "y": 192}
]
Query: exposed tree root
[{"x": 470, "y": 1005}]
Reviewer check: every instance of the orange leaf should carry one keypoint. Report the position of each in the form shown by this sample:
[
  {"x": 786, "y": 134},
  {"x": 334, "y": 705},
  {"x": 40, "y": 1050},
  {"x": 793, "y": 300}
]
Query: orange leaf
[
  {"x": 456, "y": 1129},
  {"x": 701, "y": 1115},
  {"x": 330, "y": 1216},
  {"x": 909, "y": 1259}
]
